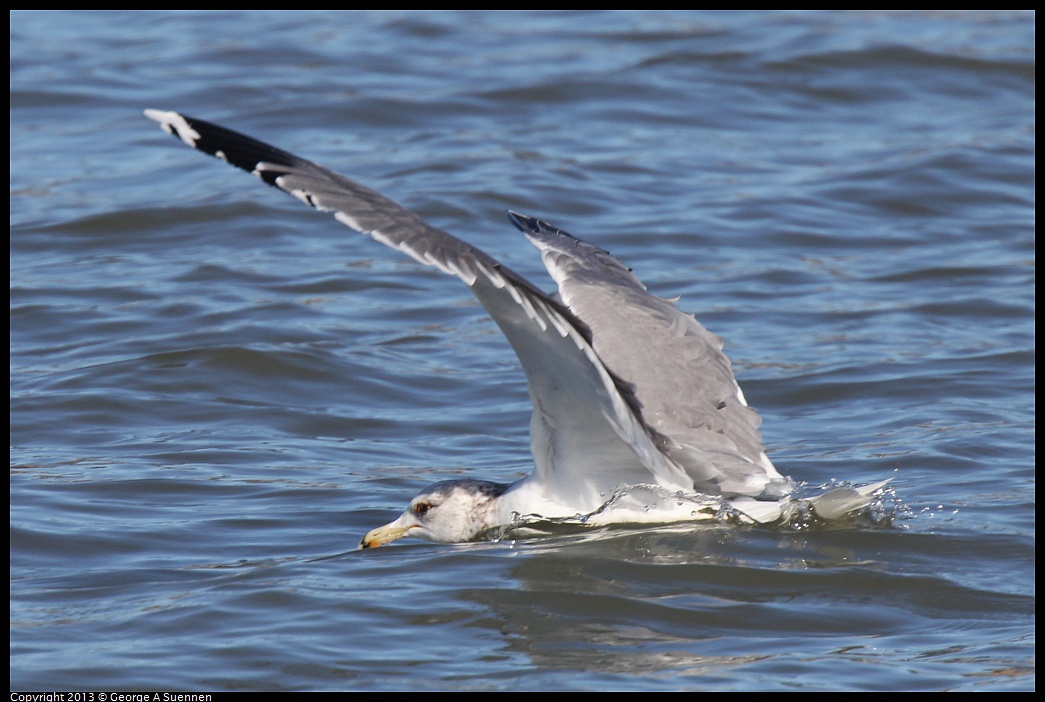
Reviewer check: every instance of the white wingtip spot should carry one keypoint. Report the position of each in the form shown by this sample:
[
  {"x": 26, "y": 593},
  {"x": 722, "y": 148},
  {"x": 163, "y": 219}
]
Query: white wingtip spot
[{"x": 172, "y": 122}]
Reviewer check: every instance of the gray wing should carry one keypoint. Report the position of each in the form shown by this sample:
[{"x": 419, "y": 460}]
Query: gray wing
[
  {"x": 586, "y": 437},
  {"x": 681, "y": 381}
]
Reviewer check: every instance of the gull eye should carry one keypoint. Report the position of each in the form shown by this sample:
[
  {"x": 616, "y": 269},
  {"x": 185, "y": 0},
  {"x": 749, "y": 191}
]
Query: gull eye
[{"x": 422, "y": 508}]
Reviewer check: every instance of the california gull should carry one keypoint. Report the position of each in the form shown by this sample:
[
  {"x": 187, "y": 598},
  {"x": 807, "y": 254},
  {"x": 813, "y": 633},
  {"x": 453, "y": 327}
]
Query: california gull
[{"x": 632, "y": 398}]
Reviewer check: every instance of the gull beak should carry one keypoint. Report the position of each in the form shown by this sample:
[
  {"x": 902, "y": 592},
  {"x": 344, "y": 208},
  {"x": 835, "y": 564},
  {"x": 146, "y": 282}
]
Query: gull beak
[{"x": 386, "y": 534}]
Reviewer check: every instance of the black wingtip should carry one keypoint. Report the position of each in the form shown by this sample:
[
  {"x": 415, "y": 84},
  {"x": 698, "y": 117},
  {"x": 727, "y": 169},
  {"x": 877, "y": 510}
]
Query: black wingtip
[
  {"x": 526, "y": 223},
  {"x": 521, "y": 222},
  {"x": 234, "y": 148},
  {"x": 531, "y": 225}
]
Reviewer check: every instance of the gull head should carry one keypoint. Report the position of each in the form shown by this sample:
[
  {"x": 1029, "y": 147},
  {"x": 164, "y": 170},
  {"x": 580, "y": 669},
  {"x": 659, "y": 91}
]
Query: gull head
[{"x": 448, "y": 512}]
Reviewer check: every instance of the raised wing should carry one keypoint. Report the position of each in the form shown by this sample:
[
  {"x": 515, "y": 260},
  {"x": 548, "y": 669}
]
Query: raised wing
[
  {"x": 586, "y": 438},
  {"x": 681, "y": 381}
]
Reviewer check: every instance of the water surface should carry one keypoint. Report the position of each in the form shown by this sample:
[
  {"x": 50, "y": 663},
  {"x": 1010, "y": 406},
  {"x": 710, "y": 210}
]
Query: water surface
[{"x": 215, "y": 392}]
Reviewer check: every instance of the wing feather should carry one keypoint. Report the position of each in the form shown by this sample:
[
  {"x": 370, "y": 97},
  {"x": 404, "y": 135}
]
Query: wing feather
[
  {"x": 681, "y": 381},
  {"x": 585, "y": 434}
]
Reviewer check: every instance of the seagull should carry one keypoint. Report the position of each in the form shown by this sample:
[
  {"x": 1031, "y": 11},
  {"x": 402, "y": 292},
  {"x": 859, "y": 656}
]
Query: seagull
[{"x": 633, "y": 399}]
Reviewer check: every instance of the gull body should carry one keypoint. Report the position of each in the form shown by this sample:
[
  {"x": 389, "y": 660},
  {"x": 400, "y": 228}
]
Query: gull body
[{"x": 627, "y": 390}]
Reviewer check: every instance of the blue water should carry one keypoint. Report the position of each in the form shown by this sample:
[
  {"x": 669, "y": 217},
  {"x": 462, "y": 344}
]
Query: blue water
[{"x": 215, "y": 391}]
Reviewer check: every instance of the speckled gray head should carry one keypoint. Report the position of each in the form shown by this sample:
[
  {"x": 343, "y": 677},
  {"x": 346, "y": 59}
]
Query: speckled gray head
[{"x": 448, "y": 512}]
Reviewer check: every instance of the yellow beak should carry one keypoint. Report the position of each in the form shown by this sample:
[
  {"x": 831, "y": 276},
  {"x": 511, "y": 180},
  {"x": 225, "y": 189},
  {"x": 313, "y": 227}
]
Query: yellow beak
[{"x": 386, "y": 534}]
